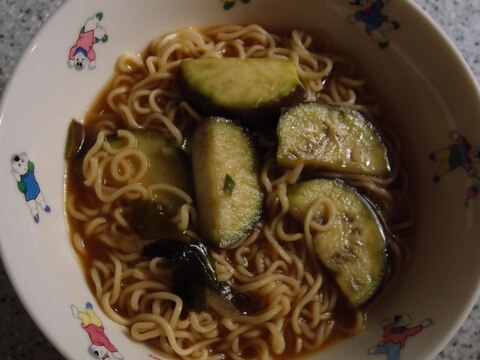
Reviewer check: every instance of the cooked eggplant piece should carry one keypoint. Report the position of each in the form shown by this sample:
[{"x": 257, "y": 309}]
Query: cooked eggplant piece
[
  {"x": 354, "y": 248},
  {"x": 226, "y": 176},
  {"x": 331, "y": 137},
  {"x": 167, "y": 164},
  {"x": 194, "y": 279},
  {"x": 251, "y": 91},
  {"x": 75, "y": 140}
]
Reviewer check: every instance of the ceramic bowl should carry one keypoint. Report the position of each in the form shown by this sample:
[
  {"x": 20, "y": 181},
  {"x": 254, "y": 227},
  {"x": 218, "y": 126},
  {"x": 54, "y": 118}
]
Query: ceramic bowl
[{"x": 407, "y": 60}]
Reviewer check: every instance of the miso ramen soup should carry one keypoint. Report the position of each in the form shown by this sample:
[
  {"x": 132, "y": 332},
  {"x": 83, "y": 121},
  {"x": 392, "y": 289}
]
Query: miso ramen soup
[{"x": 233, "y": 193}]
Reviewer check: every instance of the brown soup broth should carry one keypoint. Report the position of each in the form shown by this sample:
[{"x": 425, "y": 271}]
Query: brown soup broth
[{"x": 99, "y": 251}]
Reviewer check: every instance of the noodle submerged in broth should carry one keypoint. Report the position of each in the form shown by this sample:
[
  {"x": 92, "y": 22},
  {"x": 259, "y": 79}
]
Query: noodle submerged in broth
[{"x": 297, "y": 305}]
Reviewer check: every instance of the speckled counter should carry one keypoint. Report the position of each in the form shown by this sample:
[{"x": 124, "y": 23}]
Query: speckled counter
[{"x": 20, "y": 20}]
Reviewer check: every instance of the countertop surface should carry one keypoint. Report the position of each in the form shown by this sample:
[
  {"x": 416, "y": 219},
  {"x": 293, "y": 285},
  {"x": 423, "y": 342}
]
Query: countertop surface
[{"x": 20, "y": 20}]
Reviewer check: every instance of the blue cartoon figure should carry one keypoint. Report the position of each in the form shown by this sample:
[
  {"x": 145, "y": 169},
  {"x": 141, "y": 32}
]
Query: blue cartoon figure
[
  {"x": 101, "y": 347},
  {"x": 395, "y": 333},
  {"x": 376, "y": 23},
  {"x": 228, "y": 4},
  {"x": 23, "y": 171},
  {"x": 460, "y": 154},
  {"x": 82, "y": 52}
]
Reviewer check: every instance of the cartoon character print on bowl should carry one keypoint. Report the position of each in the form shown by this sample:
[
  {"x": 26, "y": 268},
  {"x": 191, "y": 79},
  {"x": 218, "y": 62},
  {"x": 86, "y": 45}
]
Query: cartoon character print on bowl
[
  {"x": 396, "y": 331},
  {"x": 460, "y": 154},
  {"x": 100, "y": 347},
  {"x": 228, "y": 4},
  {"x": 82, "y": 52},
  {"x": 23, "y": 170},
  {"x": 376, "y": 23}
]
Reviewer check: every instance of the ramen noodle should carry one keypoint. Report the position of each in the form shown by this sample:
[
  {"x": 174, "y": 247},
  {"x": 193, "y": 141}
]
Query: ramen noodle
[{"x": 297, "y": 306}]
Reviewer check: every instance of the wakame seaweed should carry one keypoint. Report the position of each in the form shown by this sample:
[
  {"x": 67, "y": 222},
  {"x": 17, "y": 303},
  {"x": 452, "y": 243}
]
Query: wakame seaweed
[{"x": 193, "y": 277}]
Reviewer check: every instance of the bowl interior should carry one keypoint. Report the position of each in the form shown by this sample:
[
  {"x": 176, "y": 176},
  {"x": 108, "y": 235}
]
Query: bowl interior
[{"x": 420, "y": 77}]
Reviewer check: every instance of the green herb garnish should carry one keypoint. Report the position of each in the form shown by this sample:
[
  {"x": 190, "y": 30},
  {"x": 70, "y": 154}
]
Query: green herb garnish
[{"x": 228, "y": 184}]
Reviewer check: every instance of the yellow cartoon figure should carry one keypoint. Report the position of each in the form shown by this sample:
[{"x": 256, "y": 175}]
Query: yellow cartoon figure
[{"x": 101, "y": 347}]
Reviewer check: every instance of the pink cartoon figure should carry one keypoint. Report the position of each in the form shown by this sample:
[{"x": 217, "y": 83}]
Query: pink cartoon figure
[
  {"x": 376, "y": 23},
  {"x": 395, "y": 333},
  {"x": 82, "y": 52},
  {"x": 101, "y": 347}
]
